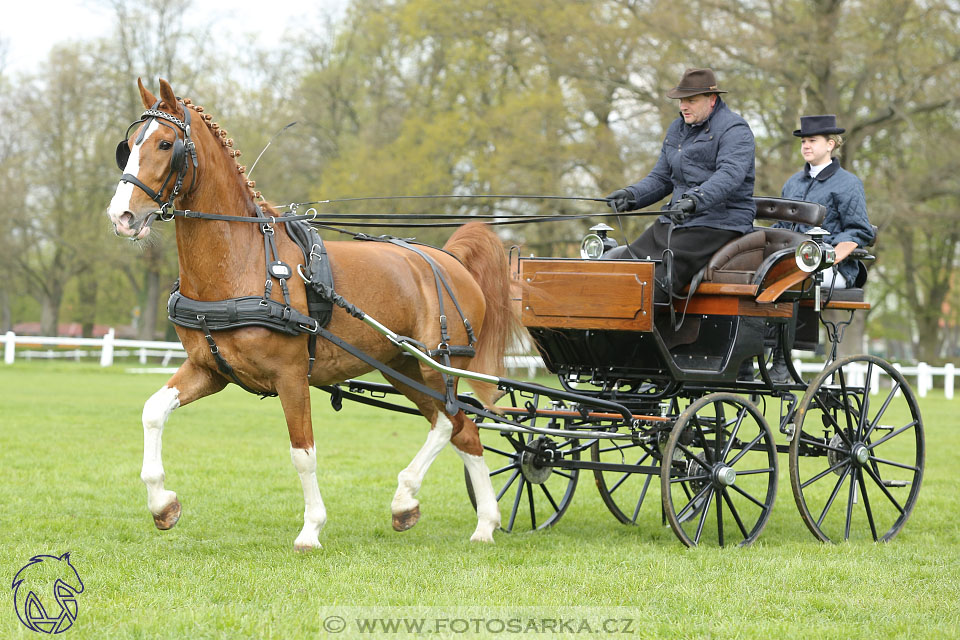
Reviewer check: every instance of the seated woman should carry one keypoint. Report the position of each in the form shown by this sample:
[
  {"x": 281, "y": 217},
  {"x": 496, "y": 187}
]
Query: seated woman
[{"x": 824, "y": 181}]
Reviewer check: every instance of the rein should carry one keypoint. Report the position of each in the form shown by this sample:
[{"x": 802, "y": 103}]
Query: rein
[{"x": 393, "y": 219}]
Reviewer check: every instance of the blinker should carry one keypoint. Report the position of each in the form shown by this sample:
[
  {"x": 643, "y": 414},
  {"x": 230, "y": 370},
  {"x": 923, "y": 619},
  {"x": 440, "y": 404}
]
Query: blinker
[{"x": 123, "y": 154}]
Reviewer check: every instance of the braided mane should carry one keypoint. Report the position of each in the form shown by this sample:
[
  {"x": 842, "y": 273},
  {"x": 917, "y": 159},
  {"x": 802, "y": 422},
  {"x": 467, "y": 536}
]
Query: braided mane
[{"x": 227, "y": 143}]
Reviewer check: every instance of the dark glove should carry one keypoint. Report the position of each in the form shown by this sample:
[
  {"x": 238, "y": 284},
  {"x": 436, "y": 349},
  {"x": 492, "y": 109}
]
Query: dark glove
[
  {"x": 621, "y": 200},
  {"x": 686, "y": 206}
]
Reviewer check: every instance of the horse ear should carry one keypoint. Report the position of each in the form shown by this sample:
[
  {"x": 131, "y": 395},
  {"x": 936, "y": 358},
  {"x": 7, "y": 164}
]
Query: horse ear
[
  {"x": 169, "y": 97},
  {"x": 148, "y": 98}
]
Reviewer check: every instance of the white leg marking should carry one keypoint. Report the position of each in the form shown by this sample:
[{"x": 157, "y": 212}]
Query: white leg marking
[
  {"x": 155, "y": 413},
  {"x": 488, "y": 511},
  {"x": 409, "y": 480},
  {"x": 314, "y": 513},
  {"x": 120, "y": 203}
]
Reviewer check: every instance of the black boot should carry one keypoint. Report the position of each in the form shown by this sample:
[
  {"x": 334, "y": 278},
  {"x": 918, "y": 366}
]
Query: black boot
[
  {"x": 745, "y": 374},
  {"x": 778, "y": 368}
]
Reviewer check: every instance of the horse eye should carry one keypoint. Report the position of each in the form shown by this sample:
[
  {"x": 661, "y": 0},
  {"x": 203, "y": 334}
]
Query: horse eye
[{"x": 165, "y": 145}]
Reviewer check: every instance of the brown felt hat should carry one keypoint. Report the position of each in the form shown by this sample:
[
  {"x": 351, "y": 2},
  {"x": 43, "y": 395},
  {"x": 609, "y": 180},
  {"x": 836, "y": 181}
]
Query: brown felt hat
[{"x": 694, "y": 82}]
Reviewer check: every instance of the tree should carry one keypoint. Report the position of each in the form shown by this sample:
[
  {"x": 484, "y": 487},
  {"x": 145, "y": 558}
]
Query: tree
[{"x": 151, "y": 40}]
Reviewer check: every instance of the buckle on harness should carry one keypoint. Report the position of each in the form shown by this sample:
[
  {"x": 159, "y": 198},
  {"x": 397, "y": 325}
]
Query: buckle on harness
[
  {"x": 310, "y": 329},
  {"x": 305, "y": 279}
]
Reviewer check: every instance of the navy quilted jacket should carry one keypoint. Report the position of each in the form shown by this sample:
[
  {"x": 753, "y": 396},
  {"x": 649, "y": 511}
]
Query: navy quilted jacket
[
  {"x": 713, "y": 163},
  {"x": 842, "y": 194}
]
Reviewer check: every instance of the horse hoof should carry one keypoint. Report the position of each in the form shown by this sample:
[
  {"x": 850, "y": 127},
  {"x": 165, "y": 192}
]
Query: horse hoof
[
  {"x": 484, "y": 532},
  {"x": 406, "y": 520},
  {"x": 306, "y": 547},
  {"x": 482, "y": 537},
  {"x": 168, "y": 517}
]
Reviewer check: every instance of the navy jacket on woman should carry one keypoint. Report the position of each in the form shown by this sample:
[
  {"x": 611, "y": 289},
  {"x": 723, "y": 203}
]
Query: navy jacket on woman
[
  {"x": 842, "y": 194},
  {"x": 712, "y": 163}
]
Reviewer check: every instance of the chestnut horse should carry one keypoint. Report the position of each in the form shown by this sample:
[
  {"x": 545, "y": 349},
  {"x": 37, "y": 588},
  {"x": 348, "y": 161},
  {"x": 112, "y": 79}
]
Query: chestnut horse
[{"x": 167, "y": 159}]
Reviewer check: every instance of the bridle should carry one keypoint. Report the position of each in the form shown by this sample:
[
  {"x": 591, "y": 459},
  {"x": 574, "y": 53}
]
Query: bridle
[{"x": 178, "y": 159}]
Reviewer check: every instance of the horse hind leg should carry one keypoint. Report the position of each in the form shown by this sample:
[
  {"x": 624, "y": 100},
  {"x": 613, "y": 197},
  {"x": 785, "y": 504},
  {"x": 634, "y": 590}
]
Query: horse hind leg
[
  {"x": 405, "y": 507},
  {"x": 466, "y": 440}
]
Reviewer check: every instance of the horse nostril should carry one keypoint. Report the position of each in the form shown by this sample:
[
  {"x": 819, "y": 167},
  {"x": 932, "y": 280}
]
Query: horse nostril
[{"x": 126, "y": 218}]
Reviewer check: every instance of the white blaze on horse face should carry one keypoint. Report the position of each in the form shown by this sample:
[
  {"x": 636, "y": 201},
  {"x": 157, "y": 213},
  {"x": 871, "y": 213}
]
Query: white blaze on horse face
[{"x": 119, "y": 211}]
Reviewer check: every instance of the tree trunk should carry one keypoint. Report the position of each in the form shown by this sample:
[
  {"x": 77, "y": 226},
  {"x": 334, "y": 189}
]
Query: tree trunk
[
  {"x": 148, "y": 319},
  {"x": 50, "y": 310},
  {"x": 6, "y": 314},
  {"x": 87, "y": 306}
]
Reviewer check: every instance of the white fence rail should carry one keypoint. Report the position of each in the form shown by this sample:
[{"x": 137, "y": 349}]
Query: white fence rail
[{"x": 109, "y": 347}]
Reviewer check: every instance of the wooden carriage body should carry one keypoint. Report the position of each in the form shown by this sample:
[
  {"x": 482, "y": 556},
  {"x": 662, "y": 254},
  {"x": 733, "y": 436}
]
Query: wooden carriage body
[{"x": 596, "y": 319}]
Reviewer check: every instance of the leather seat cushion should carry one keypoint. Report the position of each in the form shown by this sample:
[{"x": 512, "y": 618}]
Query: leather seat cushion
[
  {"x": 743, "y": 254},
  {"x": 778, "y": 239}
]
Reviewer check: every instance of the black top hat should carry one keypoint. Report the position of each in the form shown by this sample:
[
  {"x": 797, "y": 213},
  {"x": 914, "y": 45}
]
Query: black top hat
[
  {"x": 817, "y": 126},
  {"x": 695, "y": 82}
]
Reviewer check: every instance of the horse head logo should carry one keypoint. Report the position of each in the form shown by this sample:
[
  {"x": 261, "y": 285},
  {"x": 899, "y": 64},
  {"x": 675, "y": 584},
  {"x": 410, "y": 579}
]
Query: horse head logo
[{"x": 45, "y": 593}]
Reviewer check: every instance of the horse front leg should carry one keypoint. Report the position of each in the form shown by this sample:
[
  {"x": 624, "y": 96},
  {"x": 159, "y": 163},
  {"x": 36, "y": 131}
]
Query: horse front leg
[
  {"x": 295, "y": 399},
  {"x": 187, "y": 384}
]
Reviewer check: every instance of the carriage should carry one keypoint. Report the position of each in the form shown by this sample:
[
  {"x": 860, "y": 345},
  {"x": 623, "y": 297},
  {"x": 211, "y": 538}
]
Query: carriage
[{"x": 646, "y": 391}]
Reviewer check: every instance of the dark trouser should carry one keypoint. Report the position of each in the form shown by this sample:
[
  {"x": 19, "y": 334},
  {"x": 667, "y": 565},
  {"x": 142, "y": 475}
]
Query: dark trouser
[{"x": 692, "y": 249}]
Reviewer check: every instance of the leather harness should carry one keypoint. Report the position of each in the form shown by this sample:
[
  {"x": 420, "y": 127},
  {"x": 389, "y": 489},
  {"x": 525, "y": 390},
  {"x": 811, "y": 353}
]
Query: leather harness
[{"x": 263, "y": 311}]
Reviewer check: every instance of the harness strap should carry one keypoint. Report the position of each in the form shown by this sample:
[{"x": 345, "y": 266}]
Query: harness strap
[
  {"x": 222, "y": 363},
  {"x": 234, "y": 313},
  {"x": 440, "y": 278},
  {"x": 451, "y": 404}
]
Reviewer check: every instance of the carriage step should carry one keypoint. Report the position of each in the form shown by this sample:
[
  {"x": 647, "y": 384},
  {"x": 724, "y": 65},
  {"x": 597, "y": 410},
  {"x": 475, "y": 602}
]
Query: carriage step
[{"x": 896, "y": 483}]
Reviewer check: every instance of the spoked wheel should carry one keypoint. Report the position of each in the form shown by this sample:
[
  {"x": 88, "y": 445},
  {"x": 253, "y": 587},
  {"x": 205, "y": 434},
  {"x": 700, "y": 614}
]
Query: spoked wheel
[
  {"x": 856, "y": 461},
  {"x": 531, "y": 492},
  {"x": 718, "y": 479},
  {"x": 623, "y": 491}
]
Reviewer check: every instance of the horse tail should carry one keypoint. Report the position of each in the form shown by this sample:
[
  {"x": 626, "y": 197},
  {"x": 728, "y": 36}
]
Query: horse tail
[{"x": 482, "y": 253}]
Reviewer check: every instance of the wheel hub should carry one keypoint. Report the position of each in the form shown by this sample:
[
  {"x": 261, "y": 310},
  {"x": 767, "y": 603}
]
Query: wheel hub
[
  {"x": 534, "y": 461},
  {"x": 860, "y": 454},
  {"x": 724, "y": 476}
]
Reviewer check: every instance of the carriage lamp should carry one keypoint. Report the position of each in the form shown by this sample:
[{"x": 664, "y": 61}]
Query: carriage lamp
[
  {"x": 814, "y": 254},
  {"x": 597, "y": 243}
]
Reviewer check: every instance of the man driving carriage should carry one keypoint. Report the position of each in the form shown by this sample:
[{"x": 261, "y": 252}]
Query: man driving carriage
[{"x": 706, "y": 166}]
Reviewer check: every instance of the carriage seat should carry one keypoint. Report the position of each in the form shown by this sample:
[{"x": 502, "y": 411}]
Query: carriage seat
[{"x": 737, "y": 261}]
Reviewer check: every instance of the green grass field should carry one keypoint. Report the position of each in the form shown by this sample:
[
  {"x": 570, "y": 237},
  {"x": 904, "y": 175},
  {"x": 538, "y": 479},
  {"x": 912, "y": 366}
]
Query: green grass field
[{"x": 70, "y": 454}]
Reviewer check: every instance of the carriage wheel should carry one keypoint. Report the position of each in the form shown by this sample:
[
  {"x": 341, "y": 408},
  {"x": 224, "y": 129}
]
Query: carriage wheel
[
  {"x": 857, "y": 461},
  {"x": 624, "y": 492},
  {"x": 718, "y": 479},
  {"x": 532, "y": 494}
]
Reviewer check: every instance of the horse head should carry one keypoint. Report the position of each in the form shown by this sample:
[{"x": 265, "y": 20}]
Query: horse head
[
  {"x": 55, "y": 577},
  {"x": 159, "y": 161}
]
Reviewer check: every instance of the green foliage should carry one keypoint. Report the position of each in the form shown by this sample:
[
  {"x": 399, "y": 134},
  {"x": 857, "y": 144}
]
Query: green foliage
[{"x": 413, "y": 97}]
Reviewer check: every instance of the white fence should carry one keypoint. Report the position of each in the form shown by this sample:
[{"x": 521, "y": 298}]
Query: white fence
[
  {"x": 109, "y": 347},
  {"x": 106, "y": 348}
]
